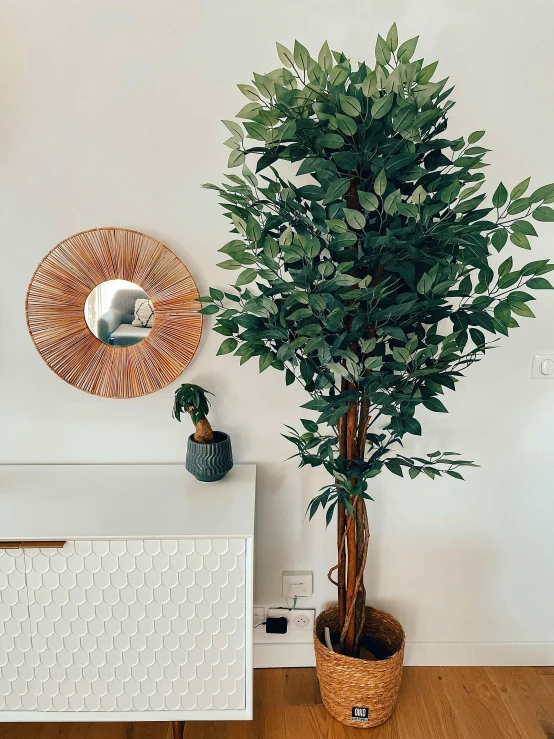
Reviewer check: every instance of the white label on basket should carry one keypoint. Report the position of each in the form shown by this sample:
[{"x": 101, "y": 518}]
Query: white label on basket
[{"x": 360, "y": 714}]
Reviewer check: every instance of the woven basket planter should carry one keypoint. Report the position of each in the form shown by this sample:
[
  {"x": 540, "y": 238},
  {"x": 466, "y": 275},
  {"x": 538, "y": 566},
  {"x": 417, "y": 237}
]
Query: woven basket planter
[{"x": 348, "y": 684}]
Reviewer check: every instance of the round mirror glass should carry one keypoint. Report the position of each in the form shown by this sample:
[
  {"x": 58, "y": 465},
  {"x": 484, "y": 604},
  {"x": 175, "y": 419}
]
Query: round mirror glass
[{"x": 119, "y": 313}]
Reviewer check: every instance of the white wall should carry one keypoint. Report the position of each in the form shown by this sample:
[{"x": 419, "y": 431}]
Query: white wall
[{"x": 110, "y": 116}]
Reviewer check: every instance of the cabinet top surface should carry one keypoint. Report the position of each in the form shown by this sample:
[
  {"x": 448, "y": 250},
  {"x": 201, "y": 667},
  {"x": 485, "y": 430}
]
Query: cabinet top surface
[{"x": 60, "y": 502}]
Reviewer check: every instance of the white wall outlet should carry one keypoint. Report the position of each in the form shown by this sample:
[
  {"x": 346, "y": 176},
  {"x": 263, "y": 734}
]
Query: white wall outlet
[
  {"x": 297, "y": 584},
  {"x": 543, "y": 367},
  {"x": 259, "y": 615},
  {"x": 299, "y": 619}
]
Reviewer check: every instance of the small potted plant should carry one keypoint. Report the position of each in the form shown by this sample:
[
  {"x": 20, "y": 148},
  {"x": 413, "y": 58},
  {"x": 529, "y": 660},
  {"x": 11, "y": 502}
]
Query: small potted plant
[{"x": 209, "y": 453}]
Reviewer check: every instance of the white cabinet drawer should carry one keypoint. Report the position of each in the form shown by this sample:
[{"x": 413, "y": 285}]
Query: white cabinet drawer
[
  {"x": 126, "y": 625},
  {"x": 16, "y": 656}
]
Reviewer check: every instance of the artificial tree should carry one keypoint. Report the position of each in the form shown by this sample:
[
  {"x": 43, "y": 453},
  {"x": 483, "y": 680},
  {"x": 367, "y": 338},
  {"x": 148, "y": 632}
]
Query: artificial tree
[{"x": 365, "y": 267}]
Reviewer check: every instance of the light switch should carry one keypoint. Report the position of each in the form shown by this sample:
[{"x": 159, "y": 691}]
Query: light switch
[{"x": 543, "y": 367}]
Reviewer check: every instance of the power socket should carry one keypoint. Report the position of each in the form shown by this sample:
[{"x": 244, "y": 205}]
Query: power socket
[{"x": 299, "y": 619}]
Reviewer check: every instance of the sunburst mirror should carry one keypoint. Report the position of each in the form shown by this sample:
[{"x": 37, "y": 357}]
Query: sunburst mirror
[{"x": 114, "y": 313}]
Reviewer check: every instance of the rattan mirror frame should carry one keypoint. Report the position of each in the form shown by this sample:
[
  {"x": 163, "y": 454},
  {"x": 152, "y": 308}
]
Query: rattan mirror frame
[{"x": 56, "y": 320}]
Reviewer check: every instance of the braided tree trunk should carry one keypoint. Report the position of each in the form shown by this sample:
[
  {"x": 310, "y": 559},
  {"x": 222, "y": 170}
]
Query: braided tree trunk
[{"x": 352, "y": 531}]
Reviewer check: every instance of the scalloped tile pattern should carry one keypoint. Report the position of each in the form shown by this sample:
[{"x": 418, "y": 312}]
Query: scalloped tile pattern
[
  {"x": 16, "y": 654},
  {"x": 132, "y": 625}
]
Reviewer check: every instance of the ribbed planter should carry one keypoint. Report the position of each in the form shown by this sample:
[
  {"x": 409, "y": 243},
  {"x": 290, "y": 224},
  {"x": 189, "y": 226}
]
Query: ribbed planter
[
  {"x": 357, "y": 692},
  {"x": 210, "y": 462}
]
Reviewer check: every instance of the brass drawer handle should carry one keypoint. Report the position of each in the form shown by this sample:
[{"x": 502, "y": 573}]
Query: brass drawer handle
[{"x": 31, "y": 544}]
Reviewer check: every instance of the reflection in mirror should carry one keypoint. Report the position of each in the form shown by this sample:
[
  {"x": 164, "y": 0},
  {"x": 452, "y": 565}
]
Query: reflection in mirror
[{"x": 119, "y": 313}]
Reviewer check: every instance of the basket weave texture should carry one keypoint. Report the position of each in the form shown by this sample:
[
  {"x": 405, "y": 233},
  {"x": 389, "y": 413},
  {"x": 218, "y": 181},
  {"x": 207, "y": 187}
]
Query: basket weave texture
[{"x": 347, "y": 683}]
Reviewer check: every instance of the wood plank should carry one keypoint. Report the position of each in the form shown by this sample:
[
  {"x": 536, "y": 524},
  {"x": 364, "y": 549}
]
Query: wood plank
[
  {"x": 527, "y": 699},
  {"x": 86, "y": 730},
  {"x": 301, "y": 687},
  {"x": 423, "y": 710},
  {"x": 313, "y": 722},
  {"x": 268, "y": 721},
  {"x": 479, "y": 711}
]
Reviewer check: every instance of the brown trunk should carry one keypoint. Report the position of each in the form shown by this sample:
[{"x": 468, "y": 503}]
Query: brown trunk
[
  {"x": 341, "y": 529},
  {"x": 203, "y": 433},
  {"x": 352, "y": 433}
]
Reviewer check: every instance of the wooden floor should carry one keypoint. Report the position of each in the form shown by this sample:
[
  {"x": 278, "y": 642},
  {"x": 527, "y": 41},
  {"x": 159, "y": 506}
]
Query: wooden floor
[{"x": 434, "y": 703}]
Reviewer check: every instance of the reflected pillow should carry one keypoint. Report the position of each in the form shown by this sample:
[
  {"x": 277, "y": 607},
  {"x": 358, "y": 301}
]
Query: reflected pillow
[{"x": 144, "y": 313}]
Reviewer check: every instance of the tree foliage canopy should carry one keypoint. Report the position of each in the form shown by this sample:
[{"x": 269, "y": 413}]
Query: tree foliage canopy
[{"x": 365, "y": 273}]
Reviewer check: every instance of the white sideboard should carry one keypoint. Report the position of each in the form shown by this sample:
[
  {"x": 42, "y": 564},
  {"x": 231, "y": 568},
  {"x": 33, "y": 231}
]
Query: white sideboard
[{"x": 144, "y": 613}]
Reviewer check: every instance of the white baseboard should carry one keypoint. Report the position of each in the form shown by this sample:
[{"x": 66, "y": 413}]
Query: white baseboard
[{"x": 439, "y": 654}]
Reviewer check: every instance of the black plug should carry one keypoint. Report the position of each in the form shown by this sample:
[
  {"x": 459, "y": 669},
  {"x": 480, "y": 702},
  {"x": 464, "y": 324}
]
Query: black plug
[{"x": 276, "y": 625}]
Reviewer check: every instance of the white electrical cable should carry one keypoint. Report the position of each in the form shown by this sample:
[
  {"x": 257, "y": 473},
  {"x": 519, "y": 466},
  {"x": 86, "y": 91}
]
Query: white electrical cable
[{"x": 328, "y": 639}]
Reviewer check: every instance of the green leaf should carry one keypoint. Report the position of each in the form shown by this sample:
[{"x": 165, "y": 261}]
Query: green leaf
[
  {"x": 332, "y": 141},
  {"x": 289, "y": 377},
  {"x": 392, "y": 201},
  {"x": 380, "y": 184},
  {"x": 392, "y": 37},
  {"x": 546, "y": 193},
  {"x": 419, "y": 195},
  {"x": 382, "y": 52},
  {"x": 336, "y": 226},
  {"x": 522, "y": 309},
  {"x": 350, "y": 105},
  {"x": 228, "y": 346},
  {"x": 425, "y": 284},
  {"x": 346, "y": 125},
  {"x": 413, "y": 472},
  {"x": 407, "y": 49},
  {"x": 499, "y": 239},
  {"x": 506, "y": 266},
  {"x": 368, "y": 200},
  {"x": 474, "y": 137},
  {"x": 301, "y": 55},
  {"x": 543, "y": 213},
  {"x": 285, "y": 55},
  {"x": 518, "y": 206},
  {"x": 520, "y": 240},
  {"x": 271, "y": 248},
  {"x": 395, "y": 467},
  {"x": 216, "y": 294},
  {"x": 434, "y": 404},
  {"x": 346, "y": 280},
  {"x": 500, "y": 196},
  {"x": 336, "y": 190},
  {"x": 538, "y": 283},
  {"x": 524, "y": 227},
  {"x": 310, "y": 426},
  {"x": 426, "y": 73},
  {"x": 229, "y": 264},
  {"x": 382, "y": 106},
  {"x": 234, "y": 128},
  {"x": 338, "y": 75},
  {"x": 249, "y": 275},
  {"x": 236, "y": 158},
  {"x": 249, "y": 91},
  {"x": 518, "y": 190},
  {"x": 401, "y": 355},
  {"x": 266, "y": 360},
  {"x": 325, "y": 58},
  {"x": 502, "y": 313},
  {"x": 209, "y": 310},
  {"x": 369, "y": 345},
  {"x": 354, "y": 218}
]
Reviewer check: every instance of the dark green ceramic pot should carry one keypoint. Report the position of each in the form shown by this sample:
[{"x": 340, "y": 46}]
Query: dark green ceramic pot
[{"x": 210, "y": 462}]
